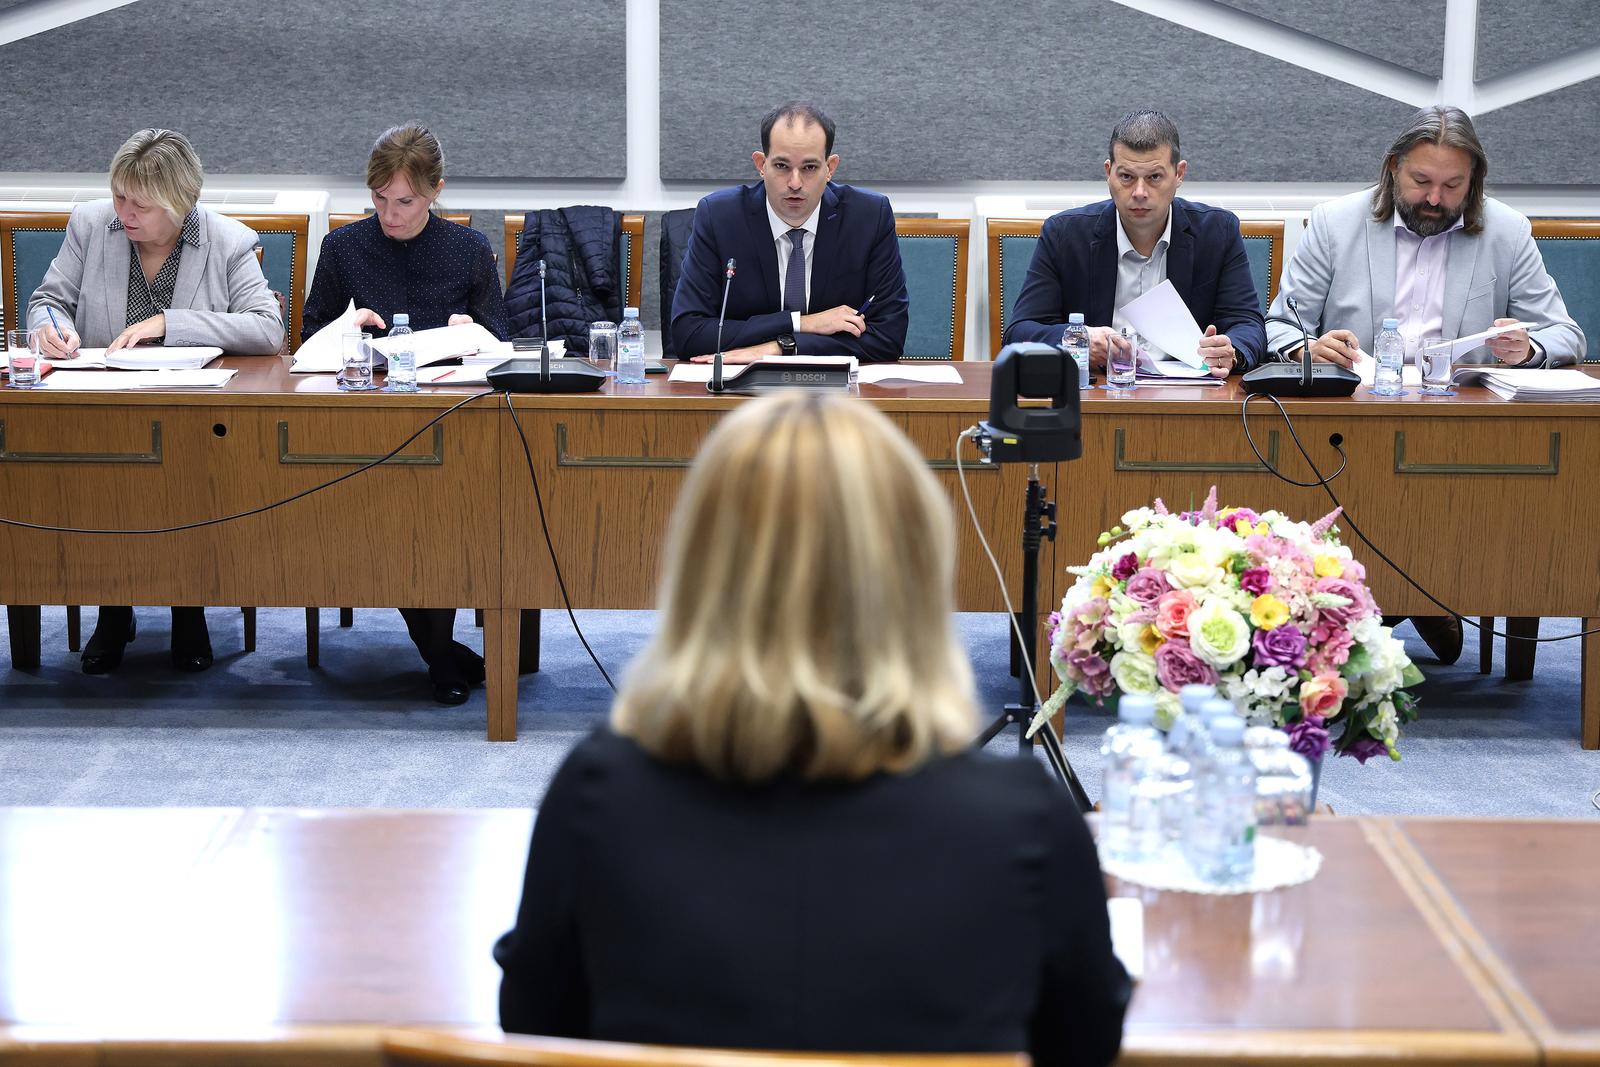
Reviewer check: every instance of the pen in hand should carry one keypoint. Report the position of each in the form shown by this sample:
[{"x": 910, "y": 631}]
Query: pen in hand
[
  {"x": 862, "y": 310},
  {"x": 61, "y": 334}
]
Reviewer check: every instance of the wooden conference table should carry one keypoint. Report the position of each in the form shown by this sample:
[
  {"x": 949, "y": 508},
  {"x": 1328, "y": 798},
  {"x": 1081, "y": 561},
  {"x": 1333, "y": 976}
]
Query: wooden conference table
[
  {"x": 225, "y": 935},
  {"x": 1484, "y": 501}
]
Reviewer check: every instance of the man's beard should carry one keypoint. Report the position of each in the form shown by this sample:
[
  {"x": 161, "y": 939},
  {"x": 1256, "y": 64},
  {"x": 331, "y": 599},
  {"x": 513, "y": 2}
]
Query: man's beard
[{"x": 1426, "y": 225}]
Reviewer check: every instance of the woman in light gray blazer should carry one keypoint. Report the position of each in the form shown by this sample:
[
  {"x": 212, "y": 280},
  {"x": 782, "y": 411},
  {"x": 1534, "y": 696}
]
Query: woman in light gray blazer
[{"x": 152, "y": 266}]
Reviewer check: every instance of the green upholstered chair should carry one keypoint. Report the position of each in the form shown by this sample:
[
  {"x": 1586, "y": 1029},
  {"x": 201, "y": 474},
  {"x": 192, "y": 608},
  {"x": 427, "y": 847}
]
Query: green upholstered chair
[
  {"x": 1571, "y": 251},
  {"x": 631, "y": 253},
  {"x": 1263, "y": 244},
  {"x": 934, "y": 255}
]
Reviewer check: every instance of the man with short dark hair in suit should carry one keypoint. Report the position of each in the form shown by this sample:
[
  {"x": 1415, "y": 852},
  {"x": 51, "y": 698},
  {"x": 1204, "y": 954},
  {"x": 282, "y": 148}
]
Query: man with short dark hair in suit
[
  {"x": 1098, "y": 258},
  {"x": 818, "y": 266}
]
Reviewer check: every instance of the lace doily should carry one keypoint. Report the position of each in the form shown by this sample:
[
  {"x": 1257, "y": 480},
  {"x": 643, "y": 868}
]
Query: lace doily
[{"x": 1279, "y": 864}]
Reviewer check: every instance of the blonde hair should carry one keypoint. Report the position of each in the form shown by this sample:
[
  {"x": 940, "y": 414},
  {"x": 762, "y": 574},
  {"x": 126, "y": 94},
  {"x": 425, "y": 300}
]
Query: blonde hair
[
  {"x": 411, "y": 150},
  {"x": 161, "y": 165},
  {"x": 807, "y": 622}
]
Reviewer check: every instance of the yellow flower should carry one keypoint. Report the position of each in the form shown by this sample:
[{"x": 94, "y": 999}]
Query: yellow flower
[
  {"x": 1150, "y": 639},
  {"x": 1267, "y": 612},
  {"x": 1102, "y": 586},
  {"x": 1329, "y": 567}
]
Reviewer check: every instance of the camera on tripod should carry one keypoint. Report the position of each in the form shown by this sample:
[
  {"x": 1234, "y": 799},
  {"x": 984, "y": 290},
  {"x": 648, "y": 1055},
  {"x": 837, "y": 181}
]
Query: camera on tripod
[{"x": 1032, "y": 434}]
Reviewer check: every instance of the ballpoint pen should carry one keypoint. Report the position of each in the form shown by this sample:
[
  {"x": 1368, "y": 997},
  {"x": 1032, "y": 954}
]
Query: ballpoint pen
[
  {"x": 862, "y": 310},
  {"x": 59, "y": 333}
]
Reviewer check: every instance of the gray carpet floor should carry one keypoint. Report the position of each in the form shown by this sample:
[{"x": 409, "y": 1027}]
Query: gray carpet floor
[{"x": 262, "y": 729}]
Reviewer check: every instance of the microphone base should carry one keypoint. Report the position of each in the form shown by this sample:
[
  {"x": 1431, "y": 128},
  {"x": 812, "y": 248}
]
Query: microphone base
[
  {"x": 792, "y": 372},
  {"x": 523, "y": 376},
  {"x": 1287, "y": 379}
]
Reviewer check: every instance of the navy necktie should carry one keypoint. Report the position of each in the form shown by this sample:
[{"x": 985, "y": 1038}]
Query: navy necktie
[{"x": 794, "y": 282}]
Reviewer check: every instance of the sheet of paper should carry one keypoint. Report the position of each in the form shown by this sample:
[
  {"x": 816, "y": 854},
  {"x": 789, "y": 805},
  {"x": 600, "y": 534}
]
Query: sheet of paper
[
  {"x": 441, "y": 342},
  {"x": 1162, "y": 367},
  {"x": 693, "y": 373},
  {"x": 143, "y": 357},
  {"x": 1163, "y": 319},
  {"x": 320, "y": 353},
  {"x": 925, "y": 373},
  {"x": 1460, "y": 346},
  {"x": 110, "y": 380},
  {"x": 1127, "y": 933}
]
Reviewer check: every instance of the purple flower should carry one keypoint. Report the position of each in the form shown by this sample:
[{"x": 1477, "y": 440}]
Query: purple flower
[
  {"x": 1125, "y": 567},
  {"x": 1356, "y": 609},
  {"x": 1148, "y": 586},
  {"x": 1256, "y": 580},
  {"x": 1281, "y": 646},
  {"x": 1178, "y": 666},
  {"x": 1308, "y": 737},
  {"x": 1092, "y": 673},
  {"x": 1365, "y": 749}
]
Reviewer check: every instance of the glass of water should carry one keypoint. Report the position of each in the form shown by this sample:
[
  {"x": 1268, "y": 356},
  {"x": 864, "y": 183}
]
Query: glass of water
[
  {"x": 603, "y": 344},
  {"x": 1122, "y": 363},
  {"x": 1434, "y": 364},
  {"x": 22, "y": 357},
  {"x": 356, "y": 375}
]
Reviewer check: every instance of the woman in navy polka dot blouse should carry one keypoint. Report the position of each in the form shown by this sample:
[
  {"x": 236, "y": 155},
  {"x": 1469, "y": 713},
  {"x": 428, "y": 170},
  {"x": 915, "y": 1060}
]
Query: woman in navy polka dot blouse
[{"x": 405, "y": 258}]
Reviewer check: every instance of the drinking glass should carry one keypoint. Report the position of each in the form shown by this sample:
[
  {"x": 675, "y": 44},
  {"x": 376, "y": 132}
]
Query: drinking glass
[
  {"x": 356, "y": 375},
  {"x": 1434, "y": 364},
  {"x": 22, "y": 356},
  {"x": 603, "y": 344},
  {"x": 1122, "y": 366}
]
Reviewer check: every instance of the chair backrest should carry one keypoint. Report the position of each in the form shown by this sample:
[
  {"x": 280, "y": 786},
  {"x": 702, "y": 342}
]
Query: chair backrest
[
  {"x": 1263, "y": 244},
  {"x": 29, "y": 241},
  {"x": 1571, "y": 251},
  {"x": 934, "y": 255},
  {"x": 343, "y": 218},
  {"x": 407, "y": 1048},
  {"x": 1012, "y": 241},
  {"x": 630, "y": 254},
  {"x": 1011, "y": 244},
  {"x": 675, "y": 229}
]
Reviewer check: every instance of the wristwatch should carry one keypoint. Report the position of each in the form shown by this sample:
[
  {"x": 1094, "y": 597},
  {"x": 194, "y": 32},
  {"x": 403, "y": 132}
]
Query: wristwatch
[{"x": 786, "y": 343}]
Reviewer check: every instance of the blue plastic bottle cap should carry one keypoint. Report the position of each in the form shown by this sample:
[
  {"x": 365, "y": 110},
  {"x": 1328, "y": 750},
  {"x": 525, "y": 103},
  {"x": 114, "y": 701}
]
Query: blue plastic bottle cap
[
  {"x": 1227, "y": 730},
  {"x": 1215, "y": 707},
  {"x": 1195, "y": 694},
  {"x": 1075, "y": 319},
  {"x": 1136, "y": 709},
  {"x": 1391, "y": 324}
]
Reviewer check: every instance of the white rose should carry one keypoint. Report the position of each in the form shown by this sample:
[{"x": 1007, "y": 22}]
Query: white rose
[
  {"x": 1218, "y": 634},
  {"x": 1134, "y": 672}
]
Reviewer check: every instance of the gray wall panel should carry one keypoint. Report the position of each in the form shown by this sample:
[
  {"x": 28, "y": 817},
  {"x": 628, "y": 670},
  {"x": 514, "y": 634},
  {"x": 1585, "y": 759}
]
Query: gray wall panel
[
  {"x": 1548, "y": 140},
  {"x": 1516, "y": 33},
  {"x": 283, "y": 89},
  {"x": 928, "y": 102},
  {"x": 1367, "y": 26}
]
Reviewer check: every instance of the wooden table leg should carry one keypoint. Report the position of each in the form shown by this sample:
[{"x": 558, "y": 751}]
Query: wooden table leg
[
  {"x": 1590, "y": 689},
  {"x": 501, "y": 636}
]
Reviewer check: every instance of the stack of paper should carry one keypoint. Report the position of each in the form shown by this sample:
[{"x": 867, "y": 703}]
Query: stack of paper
[
  {"x": 1533, "y": 384},
  {"x": 142, "y": 357},
  {"x": 321, "y": 353}
]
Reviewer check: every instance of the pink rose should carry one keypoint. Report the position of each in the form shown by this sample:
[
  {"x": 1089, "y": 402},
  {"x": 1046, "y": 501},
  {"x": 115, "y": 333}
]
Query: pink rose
[
  {"x": 1178, "y": 666},
  {"x": 1173, "y": 611},
  {"x": 1358, "y": 608},
  {"x": 1323, "y": 695},
  {"x": 1148, "y": 586}
]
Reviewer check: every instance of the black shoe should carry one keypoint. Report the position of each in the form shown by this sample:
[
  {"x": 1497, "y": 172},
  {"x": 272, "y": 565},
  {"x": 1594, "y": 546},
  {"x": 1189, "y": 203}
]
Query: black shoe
[
  {"x": 112, "y": 631},
  {"x": 191, "y": 641},
  {"x": 468, "y": 662},
  {"x": 1442, "y": 634},
  {"x": 451, "y": 693}
]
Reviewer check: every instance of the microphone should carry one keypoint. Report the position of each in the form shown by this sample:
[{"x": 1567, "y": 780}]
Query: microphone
[
  {"x": 1308, "y": 379},
  {"x": 722, "y": 317},
  {"x": 544, "y": 331}
]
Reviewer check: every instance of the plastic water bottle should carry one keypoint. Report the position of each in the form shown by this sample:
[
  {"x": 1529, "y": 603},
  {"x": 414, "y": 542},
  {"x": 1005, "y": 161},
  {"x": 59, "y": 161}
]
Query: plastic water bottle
[
  {"x": 1130, "y": 815},
  {"x": 1075, "y": 343},
  {"x": 1283, "y": 778},
  {"x": 630, "y": 349},
  {"x": 1171, "y": 782},
  {"x": 1222, "y": 834},
  {"x": 1190, "y": 697},
  {"x": 402, "y": 376},
  {"x": 1390, "y": 352},
  {"x": 1198, "y": 744}
]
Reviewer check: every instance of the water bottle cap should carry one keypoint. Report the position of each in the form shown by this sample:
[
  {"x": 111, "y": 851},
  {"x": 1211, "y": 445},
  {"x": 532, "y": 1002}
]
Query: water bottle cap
[
  {"x": 1075, "y": 319},
  {"x": 1195, "y": 694},
  {"x": 1212, "y": 709},
  {"x": 630, "y": 313},
  {"x": 402, "y": 319},
  {"x": 1227, "y": 730},
  {"x": 1136, "y": 709},
  {"x": 1391, "y": 324}
]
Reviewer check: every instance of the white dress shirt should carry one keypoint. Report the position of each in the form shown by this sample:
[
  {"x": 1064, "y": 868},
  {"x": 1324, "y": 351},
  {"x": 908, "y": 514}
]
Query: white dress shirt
[
  {"x": 780, "y": 237},
  {"x": 1136, "y": 274},
  {"x": 1419, "y": 264}
]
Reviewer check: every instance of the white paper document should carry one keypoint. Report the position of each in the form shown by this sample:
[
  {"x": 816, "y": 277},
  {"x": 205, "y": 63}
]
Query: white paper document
[
  {"x": 441, "y": 343},
  {"x": 141, "y": 357},
  {"x": 1164, "y": 320},
  {"x": 110, "y": 380},
  {"x": 322, "y": 352},
  {"x": 1460, "y": 346},
  {"x": 921, "y": 373},
  {"x": 1127, "y": 933}
]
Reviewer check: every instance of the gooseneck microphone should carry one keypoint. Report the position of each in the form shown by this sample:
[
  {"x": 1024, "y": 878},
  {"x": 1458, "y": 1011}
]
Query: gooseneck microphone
[
  {"x": 1308, "y": 379},
  {"x": 544, "y": 331},
  {"x": 530, "y": 376},
  {"x": 722, "y": 317},
  {"x": 1305, "y": 334}
]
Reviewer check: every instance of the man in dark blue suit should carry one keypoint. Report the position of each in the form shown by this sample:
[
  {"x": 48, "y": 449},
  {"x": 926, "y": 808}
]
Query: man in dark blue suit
[
  {"x": 818, "y": 264},
  {"x": 1096, "y": 259}
]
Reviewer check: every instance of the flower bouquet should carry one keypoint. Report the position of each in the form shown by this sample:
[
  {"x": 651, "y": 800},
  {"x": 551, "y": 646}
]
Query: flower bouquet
[{"x": 1275, "y": 613}]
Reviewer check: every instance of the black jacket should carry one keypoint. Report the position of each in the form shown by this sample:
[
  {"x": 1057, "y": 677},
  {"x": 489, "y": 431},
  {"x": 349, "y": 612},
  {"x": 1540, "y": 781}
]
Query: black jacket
[{"x": 583, "y": 276}]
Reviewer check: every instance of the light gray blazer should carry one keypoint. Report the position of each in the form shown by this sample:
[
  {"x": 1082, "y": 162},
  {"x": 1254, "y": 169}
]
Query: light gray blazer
[
  {"x": 1342, "y": 276},
  {"x": 221, "y": 297}
]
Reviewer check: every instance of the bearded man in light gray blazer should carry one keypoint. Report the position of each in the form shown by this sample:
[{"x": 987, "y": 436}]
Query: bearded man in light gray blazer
[
  {"x": 1427, "y": 247},
  {"x": 151, "y": 265}
]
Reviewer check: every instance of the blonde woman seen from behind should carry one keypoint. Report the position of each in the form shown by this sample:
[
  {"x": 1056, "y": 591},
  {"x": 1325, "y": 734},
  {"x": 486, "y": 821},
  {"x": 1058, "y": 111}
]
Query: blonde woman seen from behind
[{"x": 784, "y": 840}]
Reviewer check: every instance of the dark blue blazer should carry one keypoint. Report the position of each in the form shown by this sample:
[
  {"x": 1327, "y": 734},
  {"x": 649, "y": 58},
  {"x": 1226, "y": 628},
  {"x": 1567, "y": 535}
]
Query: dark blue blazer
[
  {"x": 856, "y": 256},
  {"x": 1074, "y": 268}
]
